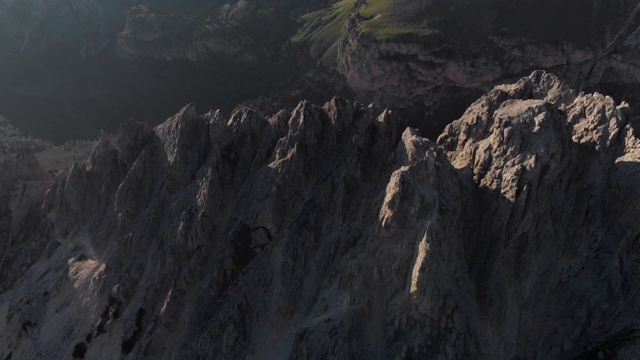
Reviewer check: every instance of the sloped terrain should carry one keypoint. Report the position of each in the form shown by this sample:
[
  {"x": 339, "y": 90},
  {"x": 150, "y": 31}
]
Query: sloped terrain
[
  {"x": 94, "y": 64},
  {"x": 27, "y": 167},
  {"x": 434, "y": 58},
  {"x": 331, "y": 232}
]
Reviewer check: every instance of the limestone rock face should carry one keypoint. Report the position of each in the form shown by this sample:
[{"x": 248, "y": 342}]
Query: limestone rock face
[
  {"x": 554, "y": 245},
  {"x": 330, "y": 232},
  {"x": 26, "y": 167},
  {"x": 472, "y": 46}
]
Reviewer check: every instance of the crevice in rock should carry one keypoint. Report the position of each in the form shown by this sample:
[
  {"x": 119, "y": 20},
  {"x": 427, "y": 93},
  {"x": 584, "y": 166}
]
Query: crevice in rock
[
  {"x": 110, "y": 312},
  {"x": 79, "y": 351},
  {"x": 243, "y": 252},
  {"x": 130, "y": 343},
  {"x": 266, "y": 232},
  {"x": 26, "y": 325},
  {"x": 229, "y": 155},
  {"x": 607, "y": 348}
]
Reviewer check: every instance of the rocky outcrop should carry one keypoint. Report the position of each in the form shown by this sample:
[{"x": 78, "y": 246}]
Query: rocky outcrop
[
  {"x": 26, "y": 167},
  {"x": 330, "y": 232},
  {"x": 470, "y": 47},
  {"x": 553, "y": 169}
]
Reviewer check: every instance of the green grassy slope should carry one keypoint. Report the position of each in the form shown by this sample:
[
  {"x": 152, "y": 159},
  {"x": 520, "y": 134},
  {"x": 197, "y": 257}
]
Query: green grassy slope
[
  {"x": 323, "y": 28},
  {"x": 389, "y": 18},
  {"x": 382, "y": 19},
  {"x": 583, "y": 22}
]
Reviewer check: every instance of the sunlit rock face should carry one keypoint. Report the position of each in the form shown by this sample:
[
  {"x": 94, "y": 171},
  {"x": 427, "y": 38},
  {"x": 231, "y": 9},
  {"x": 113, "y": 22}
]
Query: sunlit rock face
[
  {"x": 460, "y": 50},
  {"x": 332, "y": 232}
]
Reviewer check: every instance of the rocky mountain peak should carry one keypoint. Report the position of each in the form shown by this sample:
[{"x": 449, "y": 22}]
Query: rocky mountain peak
[{"x": 330, "y": 231}]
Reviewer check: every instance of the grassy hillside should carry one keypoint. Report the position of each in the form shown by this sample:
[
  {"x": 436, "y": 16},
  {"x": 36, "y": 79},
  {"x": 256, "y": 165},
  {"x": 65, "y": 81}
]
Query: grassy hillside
[
  {"x": 586, "y": 23},
  {"x": 389, "y": 18},
  {"x": 323, "y": 28}
]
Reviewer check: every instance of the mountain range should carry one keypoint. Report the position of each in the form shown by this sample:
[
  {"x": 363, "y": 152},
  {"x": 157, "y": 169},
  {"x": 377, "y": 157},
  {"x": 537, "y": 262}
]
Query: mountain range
[{"x": 376, "y": 179}]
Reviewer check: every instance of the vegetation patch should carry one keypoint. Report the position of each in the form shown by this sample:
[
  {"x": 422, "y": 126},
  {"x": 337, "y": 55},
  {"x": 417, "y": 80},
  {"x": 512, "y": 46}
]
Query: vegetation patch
[
  {"x": 382, "y": 19},
  {"x": 386, "y": 19},
  {"x": 323, "y": 28}
]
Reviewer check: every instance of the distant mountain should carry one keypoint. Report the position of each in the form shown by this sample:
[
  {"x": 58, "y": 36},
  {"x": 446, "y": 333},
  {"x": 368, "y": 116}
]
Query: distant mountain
[
  {"x": 435, "y": 57},
  {"x": 94, "y": 64}
]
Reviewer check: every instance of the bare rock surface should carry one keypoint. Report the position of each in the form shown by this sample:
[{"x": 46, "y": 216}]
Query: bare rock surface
[
  {"x": 27, "y": 166},
  {"x": 330, "y": 232},
  {"x": 14, "y": 141},
  {"x": 458, "y": 51}
]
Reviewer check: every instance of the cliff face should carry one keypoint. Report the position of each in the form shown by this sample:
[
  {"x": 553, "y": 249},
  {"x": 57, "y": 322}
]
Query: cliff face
[
  {"x": 454, "y": 52},
  {"x": 26, "y": 173},
  {"x": 330, "y": 232}
]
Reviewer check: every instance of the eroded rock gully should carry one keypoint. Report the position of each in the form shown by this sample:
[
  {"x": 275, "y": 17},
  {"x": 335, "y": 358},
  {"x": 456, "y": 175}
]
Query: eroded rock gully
[{"x": 330, "y": 232}]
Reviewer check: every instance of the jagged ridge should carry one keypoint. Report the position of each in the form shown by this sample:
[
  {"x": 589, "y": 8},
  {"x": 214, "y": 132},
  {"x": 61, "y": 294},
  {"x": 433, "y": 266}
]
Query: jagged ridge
[{"x": 328, "y": 233}]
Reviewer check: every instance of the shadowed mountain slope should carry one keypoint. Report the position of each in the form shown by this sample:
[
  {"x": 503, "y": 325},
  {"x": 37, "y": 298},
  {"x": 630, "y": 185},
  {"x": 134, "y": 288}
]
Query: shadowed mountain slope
[{"x": 330, "y": 232}]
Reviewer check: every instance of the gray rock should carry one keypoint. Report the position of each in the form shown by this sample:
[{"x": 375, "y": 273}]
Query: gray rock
[{"x": 328, "y": 232}]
